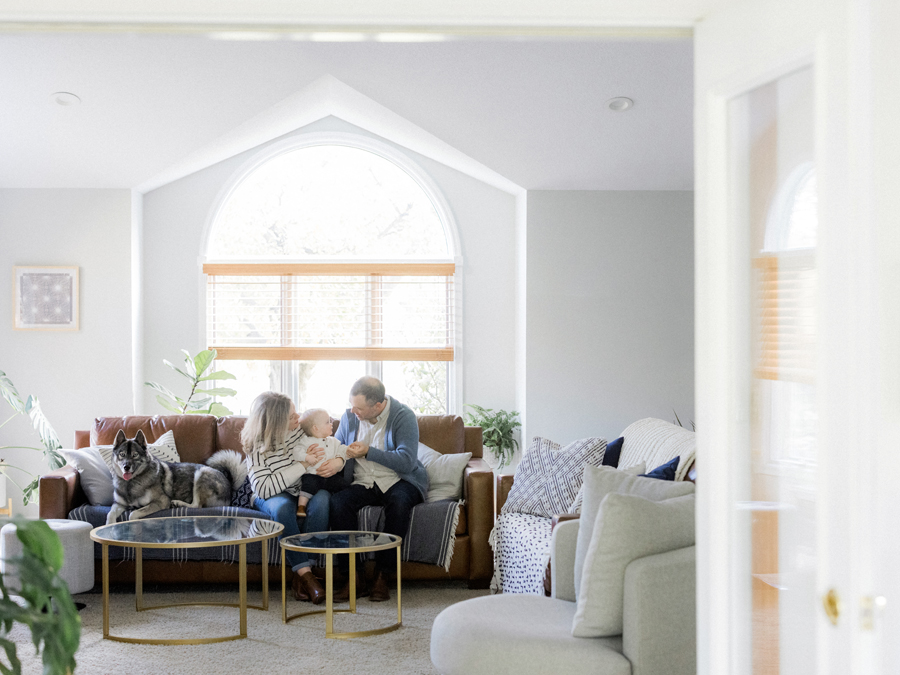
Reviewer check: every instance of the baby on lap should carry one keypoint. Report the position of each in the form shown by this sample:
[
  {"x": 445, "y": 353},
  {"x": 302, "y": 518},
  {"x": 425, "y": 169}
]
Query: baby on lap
[{"x": 316, "y": 423}]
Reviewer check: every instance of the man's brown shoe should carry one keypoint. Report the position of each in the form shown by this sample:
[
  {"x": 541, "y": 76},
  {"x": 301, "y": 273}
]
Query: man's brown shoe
[
  {"x": 380, "y": 591},
  {"x": 343, "y": 594},
  {"x": 307, "y": 587}
]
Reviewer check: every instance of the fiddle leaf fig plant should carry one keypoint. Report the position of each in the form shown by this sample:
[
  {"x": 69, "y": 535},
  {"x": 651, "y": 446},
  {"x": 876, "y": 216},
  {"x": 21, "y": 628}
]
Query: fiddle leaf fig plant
[
  {"x": 199, "y": 401},
  {"x": 43, "y": 602},
  {"x": 497, "y": 429},
  {"x": 49, "y": 440}
]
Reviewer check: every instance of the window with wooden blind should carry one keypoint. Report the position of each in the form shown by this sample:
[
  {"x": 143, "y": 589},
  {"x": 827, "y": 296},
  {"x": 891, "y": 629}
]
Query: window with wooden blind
[{"x": 327, "y": 262}]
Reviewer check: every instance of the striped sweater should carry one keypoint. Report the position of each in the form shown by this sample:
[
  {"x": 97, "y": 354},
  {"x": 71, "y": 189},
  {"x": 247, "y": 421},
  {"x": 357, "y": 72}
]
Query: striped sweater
[{"x": 277, "y": 471}]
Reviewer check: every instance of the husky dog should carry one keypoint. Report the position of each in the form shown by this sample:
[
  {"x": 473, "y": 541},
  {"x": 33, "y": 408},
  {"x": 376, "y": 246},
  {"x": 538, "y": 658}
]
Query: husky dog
[{"x": 146, "y": 484}]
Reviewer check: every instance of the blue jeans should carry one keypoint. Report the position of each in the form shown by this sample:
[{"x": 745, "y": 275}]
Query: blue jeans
[{"x": 283, "y": 509}]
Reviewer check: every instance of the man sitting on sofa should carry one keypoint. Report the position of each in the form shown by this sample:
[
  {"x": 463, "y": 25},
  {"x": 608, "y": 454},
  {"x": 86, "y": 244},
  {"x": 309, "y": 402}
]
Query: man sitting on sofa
[{"x": 383, "y": 469}]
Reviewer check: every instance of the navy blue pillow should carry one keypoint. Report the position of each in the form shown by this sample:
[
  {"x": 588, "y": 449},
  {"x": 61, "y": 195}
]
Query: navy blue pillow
[
  {"x": 664, "y": 472},
  {"x": 243, "y": 496},
  {"x": 613, "y": 450}
]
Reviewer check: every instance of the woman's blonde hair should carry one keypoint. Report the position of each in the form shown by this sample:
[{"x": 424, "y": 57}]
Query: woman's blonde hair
[{"x": 270, "y": 417}]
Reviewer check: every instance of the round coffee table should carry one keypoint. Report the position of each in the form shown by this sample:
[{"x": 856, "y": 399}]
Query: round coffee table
[
  {"x": 187, "y": 532},
  {"x": 340, "y": 542}
]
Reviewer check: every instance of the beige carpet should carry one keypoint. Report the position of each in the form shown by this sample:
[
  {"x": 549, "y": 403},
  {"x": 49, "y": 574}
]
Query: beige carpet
[{"x": 271, "y": 646}]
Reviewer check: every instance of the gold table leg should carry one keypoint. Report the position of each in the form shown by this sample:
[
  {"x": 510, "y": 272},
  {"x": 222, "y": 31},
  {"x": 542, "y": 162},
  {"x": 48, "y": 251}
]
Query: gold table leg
[{"x": 139, "y": 601}]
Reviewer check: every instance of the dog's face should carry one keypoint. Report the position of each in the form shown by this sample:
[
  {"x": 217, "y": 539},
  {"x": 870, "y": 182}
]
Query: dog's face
[{"x": 130, "y": 454}]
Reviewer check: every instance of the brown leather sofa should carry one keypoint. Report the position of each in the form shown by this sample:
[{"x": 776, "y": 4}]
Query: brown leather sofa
[{"x": 199, "y": 436}]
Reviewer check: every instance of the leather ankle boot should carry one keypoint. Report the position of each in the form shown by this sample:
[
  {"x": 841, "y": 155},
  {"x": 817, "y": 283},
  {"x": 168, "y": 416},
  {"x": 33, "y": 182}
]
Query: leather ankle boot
[
  {"x": 380, "y": 591},
  {"x": 307, "y": 587}
]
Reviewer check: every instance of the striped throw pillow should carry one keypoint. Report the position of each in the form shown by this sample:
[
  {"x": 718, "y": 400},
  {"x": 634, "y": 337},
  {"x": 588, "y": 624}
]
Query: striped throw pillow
[{"x": 550, "y": 476}]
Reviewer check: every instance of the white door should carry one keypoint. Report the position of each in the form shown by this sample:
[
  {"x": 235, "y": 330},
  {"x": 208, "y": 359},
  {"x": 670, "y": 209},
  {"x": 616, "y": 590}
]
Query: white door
[{"x": 798, "y": 336}]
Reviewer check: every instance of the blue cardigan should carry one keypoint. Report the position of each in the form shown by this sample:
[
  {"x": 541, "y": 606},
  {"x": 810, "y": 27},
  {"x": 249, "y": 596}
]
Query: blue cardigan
[{"x": 401, "y": 440}]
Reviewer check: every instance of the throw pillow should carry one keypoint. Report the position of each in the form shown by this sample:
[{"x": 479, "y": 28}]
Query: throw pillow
[
  {"x": 163, "y": 449},
  {"x": 549, "y": 476},
  {"x": 96, "y": 480},
  {"x": 599, "y": 482},
  {"x": 445, "y": 473},
  {"x": 636, "y": 470},
  {"x": 627, "y": 527},
  {"x": 664, "y": 471},
  {"x": 243, "y": 496},
  {"x": 613, "y": 450}
]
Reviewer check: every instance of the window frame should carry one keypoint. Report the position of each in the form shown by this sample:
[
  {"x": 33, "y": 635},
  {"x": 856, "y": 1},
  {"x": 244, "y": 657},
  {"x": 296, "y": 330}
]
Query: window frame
[{"x": 400, "y": 159}]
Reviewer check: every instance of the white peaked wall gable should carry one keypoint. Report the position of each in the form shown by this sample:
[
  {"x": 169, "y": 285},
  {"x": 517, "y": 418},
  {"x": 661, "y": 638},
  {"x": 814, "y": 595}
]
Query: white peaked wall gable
[{"x": 324, "y": 97}]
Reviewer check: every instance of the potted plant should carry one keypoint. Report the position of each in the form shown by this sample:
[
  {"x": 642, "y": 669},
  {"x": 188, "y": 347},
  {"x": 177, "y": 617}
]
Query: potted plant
[
  {"x": 194, "y": 369},
  {"x": 42, "y": 602},
  {"x": 49, "y": 439},
  {"x": 497, "y": 430}
]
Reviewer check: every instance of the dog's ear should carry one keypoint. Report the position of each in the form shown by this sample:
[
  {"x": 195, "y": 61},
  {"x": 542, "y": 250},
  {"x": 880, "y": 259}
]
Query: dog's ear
[
  {"x": 120, "y": 437},
  {"x": 139, "y": 439}
]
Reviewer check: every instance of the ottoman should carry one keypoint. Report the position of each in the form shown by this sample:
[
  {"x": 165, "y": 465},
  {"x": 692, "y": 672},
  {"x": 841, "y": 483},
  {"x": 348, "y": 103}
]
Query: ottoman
[{"x": 78, "y": 560}]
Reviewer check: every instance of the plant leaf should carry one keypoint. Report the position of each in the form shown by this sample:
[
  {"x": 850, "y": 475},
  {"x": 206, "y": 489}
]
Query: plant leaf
[
  {"x": 160, "y": 388},
  {"x": 219, "y": 410},
  {"x": 41, "y": 541},
  {"x": 167, "y": 404},
  {"x": 42, "y": 424},
  {"x": 218, "y": 375},
  {"x": 203, "y": 360},
  {"x": 176, "y": 369},
  {"x": 9, "y": 392},
  {"x": 220, "y": 391},
  {"x": 189, "y": 364}
]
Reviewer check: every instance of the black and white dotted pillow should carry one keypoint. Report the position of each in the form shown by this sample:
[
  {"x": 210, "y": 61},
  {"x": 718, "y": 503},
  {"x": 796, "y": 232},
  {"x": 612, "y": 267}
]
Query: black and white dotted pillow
[{"x": 549, "y": 476}]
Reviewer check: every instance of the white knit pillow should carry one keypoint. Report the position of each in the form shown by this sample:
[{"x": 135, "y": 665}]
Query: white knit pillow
[
  {"x": 549, "y": 476},
  {"x": 163, "y": 449}
]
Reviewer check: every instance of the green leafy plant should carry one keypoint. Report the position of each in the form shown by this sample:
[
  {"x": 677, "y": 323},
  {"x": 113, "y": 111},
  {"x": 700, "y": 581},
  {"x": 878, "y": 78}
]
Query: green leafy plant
[
  {"x": 497, "y": 430},
  {"x": 45, "y": 604},
  {"x": 199, "y": 401},
  {"x": 677, "y": 421},
  {"x": 50, "y": 441}
]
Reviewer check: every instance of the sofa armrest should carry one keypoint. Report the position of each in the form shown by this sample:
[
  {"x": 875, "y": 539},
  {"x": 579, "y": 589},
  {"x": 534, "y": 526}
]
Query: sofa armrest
[
  {"x": 660, "y": 615},
  {"x": 59, "y": 492},
  {"x": 562, "y": 559},
  {"x": 504, "y": 485},
  {"x": 478, "y": 491}
]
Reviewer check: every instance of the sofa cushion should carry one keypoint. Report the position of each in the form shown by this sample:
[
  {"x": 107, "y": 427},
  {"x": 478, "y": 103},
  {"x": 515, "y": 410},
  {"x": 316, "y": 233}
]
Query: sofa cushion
[
  {"x": 627, "y": 527},
  {"x": 518, "y": 634},
  {"x": 445, "y": 473},
  {"x": 549, "y": 476},
  {"x": 655, "y": 442},
  {"x": 636, "y": 470},
  {"x": 228, "y": 433},
  {"x": 96, "y": 479},
  {"x": 599, "y": 482},
  {"x": 163, "y": 449},
  {"x": 195, "y": 435},
  {"x": 664, "y": 471}
]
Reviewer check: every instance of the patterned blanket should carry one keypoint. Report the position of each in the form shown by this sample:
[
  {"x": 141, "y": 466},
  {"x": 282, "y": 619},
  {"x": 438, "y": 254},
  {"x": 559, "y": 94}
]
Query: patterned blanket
[{"x": 431, "y": 535}]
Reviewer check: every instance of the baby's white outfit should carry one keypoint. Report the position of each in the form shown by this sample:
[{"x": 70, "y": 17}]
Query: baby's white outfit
[{"x": 332, "y": 447}]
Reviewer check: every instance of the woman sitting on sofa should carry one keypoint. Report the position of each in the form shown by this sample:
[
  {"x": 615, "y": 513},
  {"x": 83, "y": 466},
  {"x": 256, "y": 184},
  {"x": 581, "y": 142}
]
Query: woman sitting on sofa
[{"x": 269, "y": 434}]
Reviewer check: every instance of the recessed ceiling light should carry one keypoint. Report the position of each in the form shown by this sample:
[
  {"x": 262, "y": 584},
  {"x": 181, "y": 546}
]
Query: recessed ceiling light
[
  {"x": 64, "y": 98},
  {"x": 619, "y": 103}
]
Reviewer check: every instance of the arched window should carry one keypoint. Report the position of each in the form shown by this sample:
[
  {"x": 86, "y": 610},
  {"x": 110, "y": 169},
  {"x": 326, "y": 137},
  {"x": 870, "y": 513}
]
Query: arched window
[{"x": 328, "y": 258}]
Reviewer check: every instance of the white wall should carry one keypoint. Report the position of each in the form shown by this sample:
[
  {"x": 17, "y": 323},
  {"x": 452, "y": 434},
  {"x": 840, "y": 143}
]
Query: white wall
[
  {"x": 610, "y": 311},
  {"x": 75, "y": 375},
  {"x": 174, "y": 219}
]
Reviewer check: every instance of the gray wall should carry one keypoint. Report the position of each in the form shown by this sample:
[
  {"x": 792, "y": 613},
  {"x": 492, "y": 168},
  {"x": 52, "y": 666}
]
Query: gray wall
[
  {"x": 610, "y": 311},
  {"x": 75, "y": 375}
]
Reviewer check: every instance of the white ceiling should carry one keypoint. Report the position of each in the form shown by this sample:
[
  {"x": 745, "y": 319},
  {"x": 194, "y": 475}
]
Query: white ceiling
[{"x": 534, "y": 111}]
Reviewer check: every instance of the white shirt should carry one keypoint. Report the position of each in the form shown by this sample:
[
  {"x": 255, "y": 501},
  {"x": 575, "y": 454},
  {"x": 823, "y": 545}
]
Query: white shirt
[
  {"x": 370, "y": 473},
  {"x": 332, "y": 447}
]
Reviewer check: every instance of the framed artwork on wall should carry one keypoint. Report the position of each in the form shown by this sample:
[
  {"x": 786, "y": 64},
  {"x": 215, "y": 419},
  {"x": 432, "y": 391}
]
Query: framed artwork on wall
[{"x": 45, "y": 298}]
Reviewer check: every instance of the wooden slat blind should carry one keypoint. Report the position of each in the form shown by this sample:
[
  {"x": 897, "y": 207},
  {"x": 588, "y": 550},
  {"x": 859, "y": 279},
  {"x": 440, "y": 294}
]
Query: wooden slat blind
[
  {"x": 324, "y": 311},
  {"x": 785, "y": 296}
]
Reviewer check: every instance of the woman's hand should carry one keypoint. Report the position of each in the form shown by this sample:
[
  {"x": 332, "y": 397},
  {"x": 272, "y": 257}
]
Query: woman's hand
[
  {"x": 331, "y": 467},
  {"x": 314, "y": 454}
]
